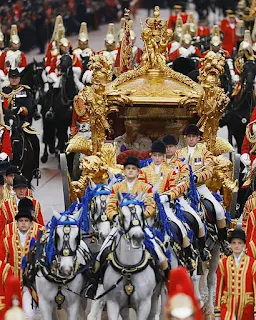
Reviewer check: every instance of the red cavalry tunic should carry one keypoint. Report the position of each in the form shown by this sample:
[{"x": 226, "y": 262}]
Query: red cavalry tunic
[
  {"x": 9, "y": 209},
  {"x": 173, "y": 18},
  {"x": 191, "y": 51},
  {"x": 246, "y": 146},
  {"x": 4, "y": 55},
  {"x": 5, "y": 141},
  {"x": 55, "y": 59},
  {"x": 236, "y": 289},
  {"x": 229, "y": 35},
  {"x": 203, "y": 31}
]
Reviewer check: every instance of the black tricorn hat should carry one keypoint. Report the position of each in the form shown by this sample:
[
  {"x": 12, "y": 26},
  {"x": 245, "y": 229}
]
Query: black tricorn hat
[
  {"x": 133, "y": 161},
  {"x": 24, "y": 214},
  {"x": 170, "y": 139},
  {"x": 238, "y": 234},
  {"x": 192, "y": 129},
  {"x": 26, "y": 204},
  {"x": 158, "y": 146},
  {"x": 20, "y": 181},
  {"x": 14, "y": 73}
]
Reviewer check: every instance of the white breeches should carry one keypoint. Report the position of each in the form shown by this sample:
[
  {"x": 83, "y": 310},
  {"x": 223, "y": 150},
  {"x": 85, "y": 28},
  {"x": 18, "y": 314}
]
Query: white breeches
[
  {"x": 172, "y": 216},
  {"x": 186, "y": 207},
  {"x": 204, "y": 191},
  {"x": 28, "y": 305}
]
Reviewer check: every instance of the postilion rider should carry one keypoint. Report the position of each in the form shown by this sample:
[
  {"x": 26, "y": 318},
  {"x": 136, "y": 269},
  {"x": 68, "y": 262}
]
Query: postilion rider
[
  {"x": 159, "y": 175},
  {"x": 180, "y": 171},
  {"x": 201, "y": 161},
  {"x": 133, "y": 186}
]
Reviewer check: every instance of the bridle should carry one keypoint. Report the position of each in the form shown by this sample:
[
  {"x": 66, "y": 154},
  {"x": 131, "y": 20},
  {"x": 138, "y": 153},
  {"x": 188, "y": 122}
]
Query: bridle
[
  {"x": 101, "y": 191},
  {"x": 66, "y": 250},
  {"x": 135, "y": 221}
]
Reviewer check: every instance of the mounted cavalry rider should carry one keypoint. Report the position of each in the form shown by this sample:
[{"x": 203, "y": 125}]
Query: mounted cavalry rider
[
  {"x": 83, "y": 52},
  {"x": 134, "y": 187},
  {"x": 110, "y": 50},
  {"x": 200, "y": 159},
  {"x": 13, "y": 57},
  {"x": 180, "y": 171},
  {"x": 163, "y": 179},
  {"x": 9, "y": 208},
  {"x": 54, "y": 72},
  {"x": 14, "y": 247}
]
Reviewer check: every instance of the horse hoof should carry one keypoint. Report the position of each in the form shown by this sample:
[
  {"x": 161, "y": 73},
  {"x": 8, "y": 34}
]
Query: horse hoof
[{"x": 44, "y": 158}]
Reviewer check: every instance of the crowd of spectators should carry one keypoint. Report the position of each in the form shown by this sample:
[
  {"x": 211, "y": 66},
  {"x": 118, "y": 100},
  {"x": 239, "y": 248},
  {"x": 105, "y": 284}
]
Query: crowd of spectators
[{"x": 35, "y": 18}]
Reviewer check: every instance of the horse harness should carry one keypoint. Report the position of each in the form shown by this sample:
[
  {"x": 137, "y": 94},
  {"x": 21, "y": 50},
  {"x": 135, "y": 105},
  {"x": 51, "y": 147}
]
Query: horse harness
[{"x": 52, "y": 275}]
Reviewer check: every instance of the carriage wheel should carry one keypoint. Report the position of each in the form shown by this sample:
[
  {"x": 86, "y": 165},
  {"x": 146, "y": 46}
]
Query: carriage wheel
[
  {"x": 236, "y": 162},
  {"x": 64, "y": 176}
]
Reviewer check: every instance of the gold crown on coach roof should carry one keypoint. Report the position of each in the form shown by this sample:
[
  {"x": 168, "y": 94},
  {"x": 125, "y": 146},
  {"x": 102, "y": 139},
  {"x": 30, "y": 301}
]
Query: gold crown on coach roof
[{"x": 156, "y": 24}]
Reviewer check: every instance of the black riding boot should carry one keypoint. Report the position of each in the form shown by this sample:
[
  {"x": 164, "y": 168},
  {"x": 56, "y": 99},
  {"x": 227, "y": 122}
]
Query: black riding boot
[
  {"x": 93, "y": 286},
  {"x": 222, "y": 235},
  {"x": 204, "y": 252},
  {"x": 190, "y": 262}
]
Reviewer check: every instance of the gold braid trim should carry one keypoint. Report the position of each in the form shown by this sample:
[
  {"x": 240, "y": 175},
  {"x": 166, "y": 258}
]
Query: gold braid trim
[
  {"x": 9, "y": 96},
  {"x": 251, "y": 138}
]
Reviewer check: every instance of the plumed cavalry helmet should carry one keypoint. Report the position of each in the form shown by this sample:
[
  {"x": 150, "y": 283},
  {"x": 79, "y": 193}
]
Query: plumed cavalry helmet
[
  {"x": 14, "y": 38},
  {"x": 178, "y": 29},
  {"x": 246, "y": 44},
  {"x": 121, "y": 31},
  {"x": 215, "y": 36},
  {"x": 181, "y": 301},
  {"x": 186, "y": 36},
  {"x": 58, "y": 22},
  {"x": 132, "y": 32},
  {"x": 110, "y": 36},
  {"x": 83, "y": 32},
  {"x": 192, "y": 24}
]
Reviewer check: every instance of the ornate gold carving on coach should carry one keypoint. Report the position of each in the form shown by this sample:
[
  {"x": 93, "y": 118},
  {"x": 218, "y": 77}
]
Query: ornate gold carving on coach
[{"x": 213, "y": 102}]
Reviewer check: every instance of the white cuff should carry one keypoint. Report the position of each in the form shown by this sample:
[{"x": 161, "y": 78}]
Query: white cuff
[
  {"x": 3, "y": 156},
  {"x": 245, "y": 159},
  {"x": 164, "y": 198}
]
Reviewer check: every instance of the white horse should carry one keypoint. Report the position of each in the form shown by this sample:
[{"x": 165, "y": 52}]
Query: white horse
[
  {"x": 129, "y": 267},
  {"x": 101, "y": 226},
  {"x": 61, "y": 282}
]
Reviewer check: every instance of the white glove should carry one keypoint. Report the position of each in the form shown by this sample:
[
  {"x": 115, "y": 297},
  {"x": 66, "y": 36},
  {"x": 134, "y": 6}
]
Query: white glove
[
  {"x": 164, "y": 198},
  {"x": 87, "y": 76},
  {"x": 236, "y": 78},
  {"x": 3, "y": 156},
  {"x": 245, "y": 159},
  {"x": 52, "y": 78}
]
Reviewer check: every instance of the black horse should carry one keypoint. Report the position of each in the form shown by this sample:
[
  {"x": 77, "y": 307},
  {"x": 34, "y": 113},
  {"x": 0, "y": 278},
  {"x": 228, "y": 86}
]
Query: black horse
[
  {"x": 57, "y": 109},
  {"x": 32, "y": 76},
  {"x": 25, "y": 145},
  {"x": 239, "y": 111}
]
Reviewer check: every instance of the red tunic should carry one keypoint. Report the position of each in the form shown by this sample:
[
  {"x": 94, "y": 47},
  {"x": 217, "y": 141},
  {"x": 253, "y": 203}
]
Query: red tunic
[
  {"x": 246, "y": 146},
  {"x": 229, "y": 35},
  {"x": 173, "y": 18},
  {"x": 5, "y": 273},
  {"x": 22, "y": 64},
  {"x": 203, "y": 31},
  {"x": 12, "y": 228},
  {"x": 193, "y": 51},
  {"x": 236, "y": 289},
  {"x": 12, "y": 252},
  {"x": 55, "y": 60},
  {"x": 9, "y": 209},
  {"x": 5, "y": 144}
]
